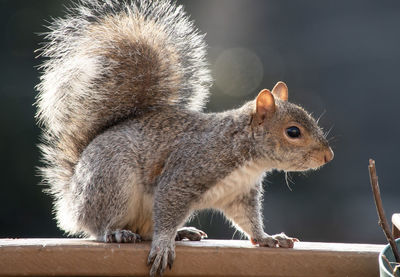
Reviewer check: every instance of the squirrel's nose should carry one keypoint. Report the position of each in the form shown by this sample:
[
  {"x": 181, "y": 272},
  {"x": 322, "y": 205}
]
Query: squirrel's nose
[{"x": 328, "y": 155}]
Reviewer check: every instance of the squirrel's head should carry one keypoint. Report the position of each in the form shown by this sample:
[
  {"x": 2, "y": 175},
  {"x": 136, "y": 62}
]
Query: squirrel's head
[{"x": 291, "y": 137}]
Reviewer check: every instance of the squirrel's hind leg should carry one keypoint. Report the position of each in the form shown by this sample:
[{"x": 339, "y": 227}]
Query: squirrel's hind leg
[{"x": 122, "y": 236}]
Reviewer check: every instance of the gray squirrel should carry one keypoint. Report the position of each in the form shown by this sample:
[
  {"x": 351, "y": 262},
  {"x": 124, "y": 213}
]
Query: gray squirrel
[{"x": 129, "y": 155}]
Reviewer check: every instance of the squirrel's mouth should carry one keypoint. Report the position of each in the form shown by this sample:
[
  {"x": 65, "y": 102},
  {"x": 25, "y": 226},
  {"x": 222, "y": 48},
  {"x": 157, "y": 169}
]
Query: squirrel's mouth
[
  {"x": 320, "y": 158},
  {"x": 314, "y": 161},
  {"x": 304, "y": 168}
]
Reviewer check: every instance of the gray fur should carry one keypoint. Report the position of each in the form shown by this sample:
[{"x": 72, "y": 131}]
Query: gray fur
[
  {"x": 153, "y": 58},
  {"x": 129, "y": 155}
]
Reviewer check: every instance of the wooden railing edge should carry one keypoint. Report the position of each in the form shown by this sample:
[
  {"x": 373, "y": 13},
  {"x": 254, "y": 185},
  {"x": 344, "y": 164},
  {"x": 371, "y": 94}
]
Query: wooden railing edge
[{"x": 80, "y": 257}]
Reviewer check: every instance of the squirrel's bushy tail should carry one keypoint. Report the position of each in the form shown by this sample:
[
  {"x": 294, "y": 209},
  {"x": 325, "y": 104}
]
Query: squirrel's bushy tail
[{"x": 110, "y": 60}]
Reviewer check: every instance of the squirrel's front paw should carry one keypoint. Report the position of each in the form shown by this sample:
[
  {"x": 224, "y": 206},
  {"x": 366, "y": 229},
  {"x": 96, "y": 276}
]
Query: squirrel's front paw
[
  {"x": 190, "y": 233},
  {"x": 280, "y": 240},
  {"x": 162, "y": 254}
]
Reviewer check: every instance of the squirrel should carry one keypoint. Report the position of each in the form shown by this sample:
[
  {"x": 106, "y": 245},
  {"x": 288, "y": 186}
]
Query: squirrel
[{"x": 128, "y": 152}]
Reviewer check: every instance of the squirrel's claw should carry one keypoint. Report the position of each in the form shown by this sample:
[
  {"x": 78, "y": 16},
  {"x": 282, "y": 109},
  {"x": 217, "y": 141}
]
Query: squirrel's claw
[
  {"x": 161, "y": 256},
  {"x": 280, "y": 240},
  {"x": 190, "y": 233},
  {"x": 122, "y": 236},
  {"x": 285, "y": 241}
]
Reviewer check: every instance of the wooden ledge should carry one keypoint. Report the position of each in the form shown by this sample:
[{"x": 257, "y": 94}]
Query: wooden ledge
[{"x": 72, "y": 257}]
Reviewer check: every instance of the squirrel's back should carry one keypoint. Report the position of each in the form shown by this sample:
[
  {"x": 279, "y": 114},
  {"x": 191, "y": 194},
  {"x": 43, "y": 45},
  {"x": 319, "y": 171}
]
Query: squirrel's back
[{"x": 111, "y": 60}]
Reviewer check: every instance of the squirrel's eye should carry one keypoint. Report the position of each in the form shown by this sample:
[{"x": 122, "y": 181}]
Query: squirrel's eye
[{"x": 293, "y": 132}]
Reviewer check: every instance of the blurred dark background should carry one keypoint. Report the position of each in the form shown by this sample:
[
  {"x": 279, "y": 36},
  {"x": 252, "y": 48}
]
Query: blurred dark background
[{"x": 339, "y": 58}]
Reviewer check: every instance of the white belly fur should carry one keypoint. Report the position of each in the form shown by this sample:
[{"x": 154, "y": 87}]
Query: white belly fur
[
  {"x": 237, "y": 183},
  {"x": 140, "y": 217}
]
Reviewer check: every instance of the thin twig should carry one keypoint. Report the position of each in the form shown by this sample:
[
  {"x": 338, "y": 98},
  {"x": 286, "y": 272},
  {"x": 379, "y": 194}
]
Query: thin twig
[
  {"x": 388, "y": 263},
  {"x": 396, "y": 268},
  {"x": 379, "y": 208}
]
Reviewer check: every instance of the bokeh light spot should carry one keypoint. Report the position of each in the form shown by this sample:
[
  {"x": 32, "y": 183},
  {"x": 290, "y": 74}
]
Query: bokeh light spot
[{"x": 238, "y": 71}]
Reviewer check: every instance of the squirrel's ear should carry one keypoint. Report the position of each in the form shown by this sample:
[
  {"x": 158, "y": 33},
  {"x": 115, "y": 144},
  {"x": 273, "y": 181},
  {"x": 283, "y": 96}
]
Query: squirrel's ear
[
  {"x": 265, "y": 105},
  {"x": 280, "y": 90}
]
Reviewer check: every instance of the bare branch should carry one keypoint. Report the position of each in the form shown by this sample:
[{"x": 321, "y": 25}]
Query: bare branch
[
  {"x": 387, "y": 262},
  {"x": 379, "y": 208}
]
